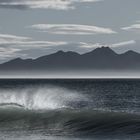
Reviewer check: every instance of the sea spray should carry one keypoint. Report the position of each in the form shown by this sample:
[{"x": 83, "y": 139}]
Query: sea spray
[{"x": 42, "y": 97}]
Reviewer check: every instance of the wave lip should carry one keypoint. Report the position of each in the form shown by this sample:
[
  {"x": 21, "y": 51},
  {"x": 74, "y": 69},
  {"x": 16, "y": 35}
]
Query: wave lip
[{"x": 10, "y": 105}]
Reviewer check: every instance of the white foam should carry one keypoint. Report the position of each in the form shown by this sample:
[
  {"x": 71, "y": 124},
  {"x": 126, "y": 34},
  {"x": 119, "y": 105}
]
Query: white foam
[{"x": 40, "y": 98}]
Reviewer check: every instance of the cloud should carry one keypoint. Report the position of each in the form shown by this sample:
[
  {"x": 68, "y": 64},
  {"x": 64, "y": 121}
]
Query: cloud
[
  {"x": 72, "y": 29},
  {"x": 12, "y": 46},
  {"x": 44, "y": 4},
  {"x": 11, "y": 40},
  {"x": 125, "y": 43},
  {"x": 89, "y": 45},
  {"x": 96, "y": 45},
  {"x": 134, "y": 27}
]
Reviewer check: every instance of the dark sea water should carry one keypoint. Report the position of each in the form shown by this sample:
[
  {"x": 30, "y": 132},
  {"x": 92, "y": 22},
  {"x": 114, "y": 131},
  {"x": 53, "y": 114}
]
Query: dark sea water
[{"x": 69, "y": 109}]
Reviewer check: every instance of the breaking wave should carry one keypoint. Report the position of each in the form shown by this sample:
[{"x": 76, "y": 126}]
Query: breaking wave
[
  {"x": 53, "y": 110},
  {"x": 42, "y": 98}
]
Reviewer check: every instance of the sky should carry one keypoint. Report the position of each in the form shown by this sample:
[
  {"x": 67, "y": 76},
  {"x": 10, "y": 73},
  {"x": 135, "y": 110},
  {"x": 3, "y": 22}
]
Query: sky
[{"x": 32, "y": 28}]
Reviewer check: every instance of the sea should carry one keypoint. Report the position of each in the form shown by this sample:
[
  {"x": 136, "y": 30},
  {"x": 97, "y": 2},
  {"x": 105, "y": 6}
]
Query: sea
[{"x": 69, "y": 109}]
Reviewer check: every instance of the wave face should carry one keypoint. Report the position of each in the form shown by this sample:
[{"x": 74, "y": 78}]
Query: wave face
[{"x": 93, "y": 108}]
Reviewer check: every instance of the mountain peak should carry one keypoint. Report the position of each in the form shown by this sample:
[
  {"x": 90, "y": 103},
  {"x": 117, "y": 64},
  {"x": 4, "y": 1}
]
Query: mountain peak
[
  {"x": 131, "y": 52},
  {"x": 105, "y": 49},
  {"x": 16, "y": 60},
  {"x": 66, "y": 52},
  {"x": 102, "y": 51},
  {"x": 60, "y": 52}
]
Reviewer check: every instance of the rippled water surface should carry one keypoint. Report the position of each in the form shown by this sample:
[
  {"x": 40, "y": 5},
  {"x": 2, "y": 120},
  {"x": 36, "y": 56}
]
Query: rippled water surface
[{"x": 65, "y": 109}]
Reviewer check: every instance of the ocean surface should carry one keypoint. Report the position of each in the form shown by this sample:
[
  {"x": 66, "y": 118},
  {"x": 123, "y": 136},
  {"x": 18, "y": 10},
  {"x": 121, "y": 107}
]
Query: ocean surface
[{"x": 69, "y": 109}]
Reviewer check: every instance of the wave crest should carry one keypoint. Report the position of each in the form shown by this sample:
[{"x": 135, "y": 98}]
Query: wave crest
[{"x": 42, "y": 98}]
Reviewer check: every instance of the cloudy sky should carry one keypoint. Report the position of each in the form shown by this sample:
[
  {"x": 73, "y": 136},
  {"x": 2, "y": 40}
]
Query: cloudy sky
[{"x": 31, "y": 28}]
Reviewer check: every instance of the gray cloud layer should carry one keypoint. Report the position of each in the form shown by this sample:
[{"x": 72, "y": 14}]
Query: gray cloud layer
[
  {"x": 72, "y": 29},
  {"x": 134, "y": 28},
  {"x": 44, "y": 4}
]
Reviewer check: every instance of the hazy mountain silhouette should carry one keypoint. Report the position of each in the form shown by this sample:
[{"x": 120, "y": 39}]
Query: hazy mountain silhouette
[{"x": 102, "y": 58}]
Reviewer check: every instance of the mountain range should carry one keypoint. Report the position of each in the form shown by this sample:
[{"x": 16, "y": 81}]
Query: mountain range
[{"x": 103, "y": 58}]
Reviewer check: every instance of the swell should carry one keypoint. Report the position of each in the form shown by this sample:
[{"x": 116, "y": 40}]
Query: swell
[{"x": 70, "y": 122}]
